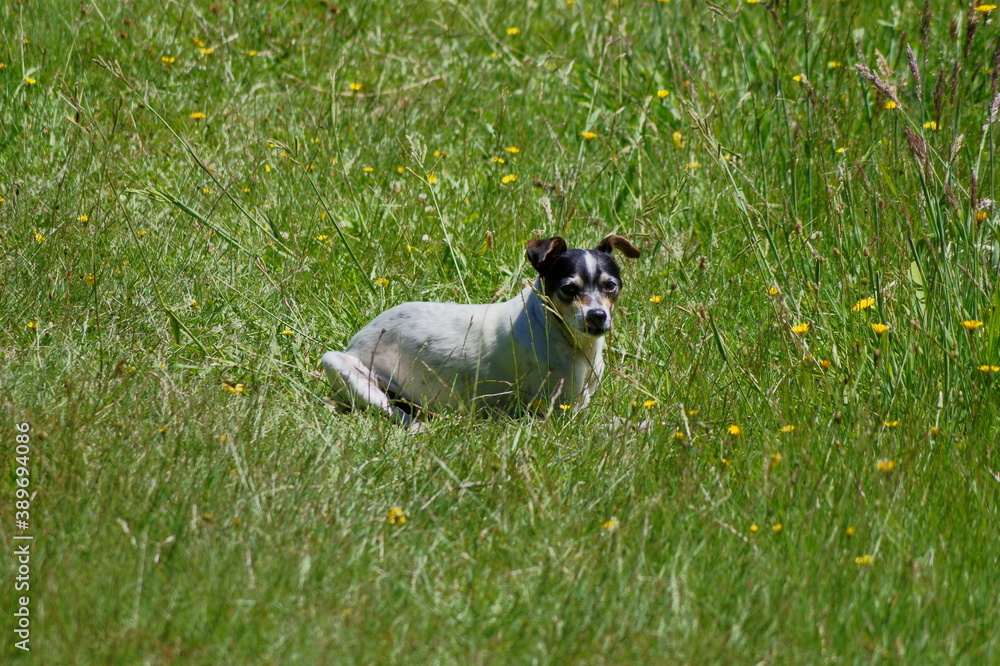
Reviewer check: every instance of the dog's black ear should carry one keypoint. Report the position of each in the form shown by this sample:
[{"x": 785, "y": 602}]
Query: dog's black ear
[
  {"x": 542, "y": 252},
  {"x": 618, "y": 243}
]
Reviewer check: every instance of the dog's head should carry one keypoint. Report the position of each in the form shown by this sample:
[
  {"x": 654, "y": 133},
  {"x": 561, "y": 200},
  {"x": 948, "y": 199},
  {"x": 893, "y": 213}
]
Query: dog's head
[{"x": 583, "y": 285}]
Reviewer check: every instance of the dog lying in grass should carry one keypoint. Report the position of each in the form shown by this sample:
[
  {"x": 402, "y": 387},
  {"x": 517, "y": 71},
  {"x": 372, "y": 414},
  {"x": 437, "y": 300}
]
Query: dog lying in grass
[{"x": 541, "y": 348}]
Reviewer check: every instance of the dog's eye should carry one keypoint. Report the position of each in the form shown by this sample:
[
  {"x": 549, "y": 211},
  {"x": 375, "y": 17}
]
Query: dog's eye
[
  {"x": 611, "y": 286},
  {"x": 569, "y": 290}
]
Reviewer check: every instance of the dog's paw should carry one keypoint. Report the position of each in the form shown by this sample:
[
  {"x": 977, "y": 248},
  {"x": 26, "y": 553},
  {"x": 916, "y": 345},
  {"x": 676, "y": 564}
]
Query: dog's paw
[{"x": 417, "y": 427}]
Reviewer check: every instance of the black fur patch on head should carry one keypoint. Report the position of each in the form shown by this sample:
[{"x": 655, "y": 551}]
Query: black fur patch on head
[{"x": 589, "y": 265}]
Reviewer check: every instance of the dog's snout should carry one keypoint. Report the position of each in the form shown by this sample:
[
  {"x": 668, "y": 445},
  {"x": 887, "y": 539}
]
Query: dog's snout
[{"x": 597, "y": 318}]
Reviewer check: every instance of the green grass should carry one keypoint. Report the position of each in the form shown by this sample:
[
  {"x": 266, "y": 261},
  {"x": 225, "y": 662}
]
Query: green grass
[{"x": 149, "y": 256}]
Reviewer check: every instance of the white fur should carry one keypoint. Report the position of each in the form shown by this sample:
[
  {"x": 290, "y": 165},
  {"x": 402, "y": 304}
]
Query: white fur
[{"x": 502, "y": 356}]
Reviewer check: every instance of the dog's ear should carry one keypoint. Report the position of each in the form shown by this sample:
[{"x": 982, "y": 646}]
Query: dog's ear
[
  {"x": 542, "y": 252},
  {"x": 618, "y": 243}
]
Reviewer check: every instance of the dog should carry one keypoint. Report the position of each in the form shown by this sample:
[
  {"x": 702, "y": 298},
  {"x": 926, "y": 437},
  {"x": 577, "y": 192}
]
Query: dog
[{"x": 523, "y": 355}]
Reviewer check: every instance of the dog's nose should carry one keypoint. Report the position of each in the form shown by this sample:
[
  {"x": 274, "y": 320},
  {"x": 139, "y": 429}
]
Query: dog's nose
[{"x": 597, "y": 318}]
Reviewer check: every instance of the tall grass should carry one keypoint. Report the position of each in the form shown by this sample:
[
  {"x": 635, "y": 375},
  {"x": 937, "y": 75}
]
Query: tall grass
[{"x": 199, "y": 199}]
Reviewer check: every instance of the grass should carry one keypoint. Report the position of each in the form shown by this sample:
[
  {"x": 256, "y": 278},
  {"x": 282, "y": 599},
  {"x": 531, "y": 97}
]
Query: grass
[{"x": 196, "y": 197}]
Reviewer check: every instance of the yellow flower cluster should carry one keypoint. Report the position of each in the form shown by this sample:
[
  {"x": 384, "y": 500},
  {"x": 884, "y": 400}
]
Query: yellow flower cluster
[{"x": 863, "y": 304}]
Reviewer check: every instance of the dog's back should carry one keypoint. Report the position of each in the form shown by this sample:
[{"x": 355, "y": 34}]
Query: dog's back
[{"x": 440, "y": 355}]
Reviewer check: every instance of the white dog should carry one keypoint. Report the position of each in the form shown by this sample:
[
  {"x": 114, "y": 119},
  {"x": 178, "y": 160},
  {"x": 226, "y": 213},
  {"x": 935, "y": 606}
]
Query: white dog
[{"x": 541, "y": 346}]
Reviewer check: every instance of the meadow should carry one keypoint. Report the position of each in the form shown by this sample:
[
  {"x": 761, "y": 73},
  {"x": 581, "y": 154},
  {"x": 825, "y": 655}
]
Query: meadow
[{"x": 198, "y": 199}]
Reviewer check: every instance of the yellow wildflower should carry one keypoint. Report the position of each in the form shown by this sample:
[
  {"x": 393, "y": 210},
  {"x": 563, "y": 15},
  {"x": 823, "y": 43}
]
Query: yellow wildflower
[
  {"x": 288, "y": 332},
  {"x": 367, "y": 169},
  {"x": 890, "y": 105},
  {"x": 233, "y": 388},
  {"x": 679, "y": 435},
  {"x": 833, "y": 64},
  {"x": 355, "y": 86},
  {"x": 735, "y": 430},
  {"x": 509, "y": 178},
  {"x": 971, "y": 324},
  {"x": 396, "y": 516},
  {"x": 497, "y": 160},
  {"x": 931, "y": 125},
  {"x": 655, "y": 299},
  {"x": 797, "y": 78},
  {"x": 850, "y": 531},
  {"x": 207, "y": 51},
  {"x": 513, "y": 150},
  {"x": 985, "y": 9},
  {"x": 776, "y": 459},
  {"x": 990, "y": 368},
  {"x": 880, "y": 328},
  {"x": 825, "y": 364},
  {"x": 725, "y": 462},
  {"x": 168, "y": 60},
  {"x": 662, "y": 93},
  {"x": 801, "y": 329},
  {"x": 30, "y": 81},
  {"x": 610, "y": 525},
  {"x": 981, "y": 216},
  {"x": 431, "y": 178},
  {"x": 773, "y": 291},
  {"x": 565, "y": 407},
  {"x": 513, "y": 31},
  {"x": 693, "y": 165},
  {"x": 841, "y": 150},
  {"x": 381, "y": 282},
  {"x": 649, "y": 404},
  {"x": 864, "y": 560},
  {"x": 197, "y": 115},
  {"x": 32, "y": 325},
  {"x": 754, "y": 529},
  {"x": 785, "y": 429},
  {"x": 891, "y": 424},
  {"x": 678, "y": 139},
  {"x": 39, "y": 238},
  {"x": 777, "y": 527},
  {"x": 885, "y": 465},
  {"x": 589, "y": 136},
  {"x": 89, "y": 280},
  {"x": 863, "y": 304}
]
